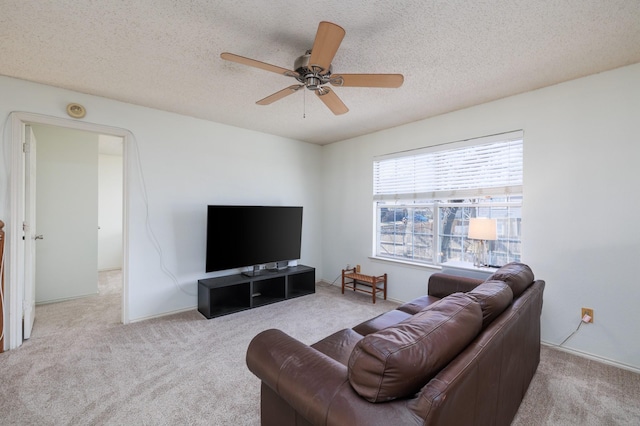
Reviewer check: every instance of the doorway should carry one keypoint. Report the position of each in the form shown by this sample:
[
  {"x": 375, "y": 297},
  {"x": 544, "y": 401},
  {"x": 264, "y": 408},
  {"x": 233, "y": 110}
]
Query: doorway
[
  {"x": 16, "y": 270},
  {"x": 78, "y": 211}
]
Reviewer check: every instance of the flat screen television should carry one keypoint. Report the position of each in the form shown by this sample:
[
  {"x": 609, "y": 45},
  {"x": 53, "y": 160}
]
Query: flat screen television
[{"x": 241, "y": 236}]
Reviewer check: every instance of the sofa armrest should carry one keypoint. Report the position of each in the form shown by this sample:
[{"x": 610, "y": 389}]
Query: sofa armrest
[
  {"x": 315, "y": 385},
  {"x": 304, "y": 377},
  {"x": 441, "y": 285}
]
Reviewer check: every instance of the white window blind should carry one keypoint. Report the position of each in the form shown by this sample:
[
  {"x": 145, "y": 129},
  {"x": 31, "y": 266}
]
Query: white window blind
[{"x": 479, "y": 168}]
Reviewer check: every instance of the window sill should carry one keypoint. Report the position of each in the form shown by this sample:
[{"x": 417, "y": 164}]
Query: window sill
[{"x": 407, "y": 263}]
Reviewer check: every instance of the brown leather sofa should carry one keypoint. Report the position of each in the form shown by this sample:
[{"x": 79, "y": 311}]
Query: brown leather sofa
[{"x": 464, "y": 354}]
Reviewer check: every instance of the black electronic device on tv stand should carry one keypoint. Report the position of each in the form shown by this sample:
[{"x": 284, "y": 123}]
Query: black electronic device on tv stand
[
  {"x": 241, "y": 236},
  {"x": 257, "y": 270}
]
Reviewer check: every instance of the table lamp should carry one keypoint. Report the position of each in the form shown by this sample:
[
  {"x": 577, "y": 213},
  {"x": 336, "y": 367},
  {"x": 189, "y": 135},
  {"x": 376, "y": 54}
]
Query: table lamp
[{"x": 482, "y": 229}]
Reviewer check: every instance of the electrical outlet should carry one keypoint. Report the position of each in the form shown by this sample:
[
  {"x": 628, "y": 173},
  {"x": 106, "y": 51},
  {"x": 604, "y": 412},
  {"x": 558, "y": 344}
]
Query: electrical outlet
[
  {"x": 587, "y": 312},
  {"x": 358, "y": 269}
]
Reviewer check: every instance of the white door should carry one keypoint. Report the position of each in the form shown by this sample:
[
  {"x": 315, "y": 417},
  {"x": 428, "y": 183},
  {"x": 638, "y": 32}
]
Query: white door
[{"x": 30, "y": 235}]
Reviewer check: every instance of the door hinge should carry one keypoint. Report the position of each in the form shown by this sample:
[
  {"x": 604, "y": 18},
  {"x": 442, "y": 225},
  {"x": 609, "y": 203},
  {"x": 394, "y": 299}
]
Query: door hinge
[{"x": 25, "y": 147}]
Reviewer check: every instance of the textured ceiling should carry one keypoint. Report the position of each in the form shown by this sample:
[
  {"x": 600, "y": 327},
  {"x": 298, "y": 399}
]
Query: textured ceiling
[{"x": 454, "y": 54}]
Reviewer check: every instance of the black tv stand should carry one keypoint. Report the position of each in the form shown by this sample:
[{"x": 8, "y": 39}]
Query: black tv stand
[{"x": 233, "y": 293}]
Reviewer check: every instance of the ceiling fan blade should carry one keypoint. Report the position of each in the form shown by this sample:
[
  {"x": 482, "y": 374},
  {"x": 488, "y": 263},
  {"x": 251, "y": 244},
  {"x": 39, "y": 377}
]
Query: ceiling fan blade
[
  {"x": 280, "y": 94},
  {"x": 328, "y": 39},
  {"x": 331, "y": 100},
  {"x": 367, "y": 80},
  {"x": 253, "y": 63}
]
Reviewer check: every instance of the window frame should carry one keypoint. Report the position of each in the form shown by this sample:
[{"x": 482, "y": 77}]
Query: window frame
[{"x": 507, "y": 195}]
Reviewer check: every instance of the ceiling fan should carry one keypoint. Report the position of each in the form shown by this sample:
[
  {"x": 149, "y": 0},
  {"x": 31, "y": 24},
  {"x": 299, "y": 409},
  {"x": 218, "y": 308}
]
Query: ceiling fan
[{"x": 313, "y": 70}]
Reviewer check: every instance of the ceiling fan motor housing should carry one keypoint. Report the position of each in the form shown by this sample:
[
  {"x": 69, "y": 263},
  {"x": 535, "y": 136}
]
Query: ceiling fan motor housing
[{"x": 312, "y": 79}]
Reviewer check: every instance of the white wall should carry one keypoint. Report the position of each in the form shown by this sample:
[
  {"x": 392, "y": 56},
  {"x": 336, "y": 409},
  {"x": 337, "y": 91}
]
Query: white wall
[
  {"x": 109, "y": 212},
  {"x": 579, "y": 216},
  {"x": 185, "y": 164},
  {"x": 581, "y": 198},
  {"x": 66, "y": 213}
]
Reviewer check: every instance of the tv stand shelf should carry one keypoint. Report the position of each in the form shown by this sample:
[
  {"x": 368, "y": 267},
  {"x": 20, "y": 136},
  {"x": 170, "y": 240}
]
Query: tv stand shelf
[{"x": 233, "y": 293}]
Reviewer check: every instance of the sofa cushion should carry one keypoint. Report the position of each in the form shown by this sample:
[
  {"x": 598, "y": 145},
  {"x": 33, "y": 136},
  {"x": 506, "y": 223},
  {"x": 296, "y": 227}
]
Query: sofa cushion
[
  {"x": 493, "y": 297},
  {"x": 518, "y": 276},
  {"x": 339, "y": 345},
  {"x": 416, "y": 305},
  {"x": 442, "y": 285},
  {"x": 397, "y": 361},
  {"x": 381, "y": 321},
  {"x": 401, "y": 313}
]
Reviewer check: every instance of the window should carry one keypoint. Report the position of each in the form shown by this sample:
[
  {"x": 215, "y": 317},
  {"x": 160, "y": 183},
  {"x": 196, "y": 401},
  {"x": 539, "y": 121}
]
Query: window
[{"x": 423, "y": 200}]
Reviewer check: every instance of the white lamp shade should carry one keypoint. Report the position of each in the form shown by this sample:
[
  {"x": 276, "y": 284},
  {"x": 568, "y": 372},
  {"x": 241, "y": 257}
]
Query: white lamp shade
[{"x": 482, "y": 228}]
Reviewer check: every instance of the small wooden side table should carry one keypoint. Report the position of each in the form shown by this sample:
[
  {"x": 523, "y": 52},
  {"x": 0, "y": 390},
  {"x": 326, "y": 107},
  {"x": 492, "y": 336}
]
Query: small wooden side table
[{"x": 370, "y": 284}]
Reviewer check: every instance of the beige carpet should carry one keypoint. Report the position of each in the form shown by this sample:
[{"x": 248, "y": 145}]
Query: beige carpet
[
  {"x": 571, "y": 390},
  {"x": 82, "y": 367}
]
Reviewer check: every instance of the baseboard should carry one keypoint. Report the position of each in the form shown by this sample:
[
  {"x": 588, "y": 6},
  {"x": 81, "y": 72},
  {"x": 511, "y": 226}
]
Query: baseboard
[
  {"x": 66, "y": 299},
  {"x": 592, "y": 357},
  {"x": 164, "y": 314}
]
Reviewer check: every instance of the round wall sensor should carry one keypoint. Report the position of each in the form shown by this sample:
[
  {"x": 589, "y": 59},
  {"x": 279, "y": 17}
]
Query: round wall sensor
[{"x": 76, "y": 110}]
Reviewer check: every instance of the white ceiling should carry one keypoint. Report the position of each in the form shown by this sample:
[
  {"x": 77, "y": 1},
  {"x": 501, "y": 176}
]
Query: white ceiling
[{"x": 454, "y": 54}]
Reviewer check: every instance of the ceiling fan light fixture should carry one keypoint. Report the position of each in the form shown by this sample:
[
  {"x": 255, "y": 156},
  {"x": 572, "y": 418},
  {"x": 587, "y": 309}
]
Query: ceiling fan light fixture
[
  {"x": 311, "y": 76},
  {"x": 312, "y": 82}
]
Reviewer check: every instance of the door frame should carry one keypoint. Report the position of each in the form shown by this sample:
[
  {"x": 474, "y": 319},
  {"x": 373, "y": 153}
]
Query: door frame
[{"x": 15, "y": 261}]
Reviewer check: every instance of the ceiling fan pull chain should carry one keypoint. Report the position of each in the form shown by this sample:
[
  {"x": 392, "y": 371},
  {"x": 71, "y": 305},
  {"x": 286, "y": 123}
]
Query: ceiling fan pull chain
[{"x": 304, "y": 104}]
